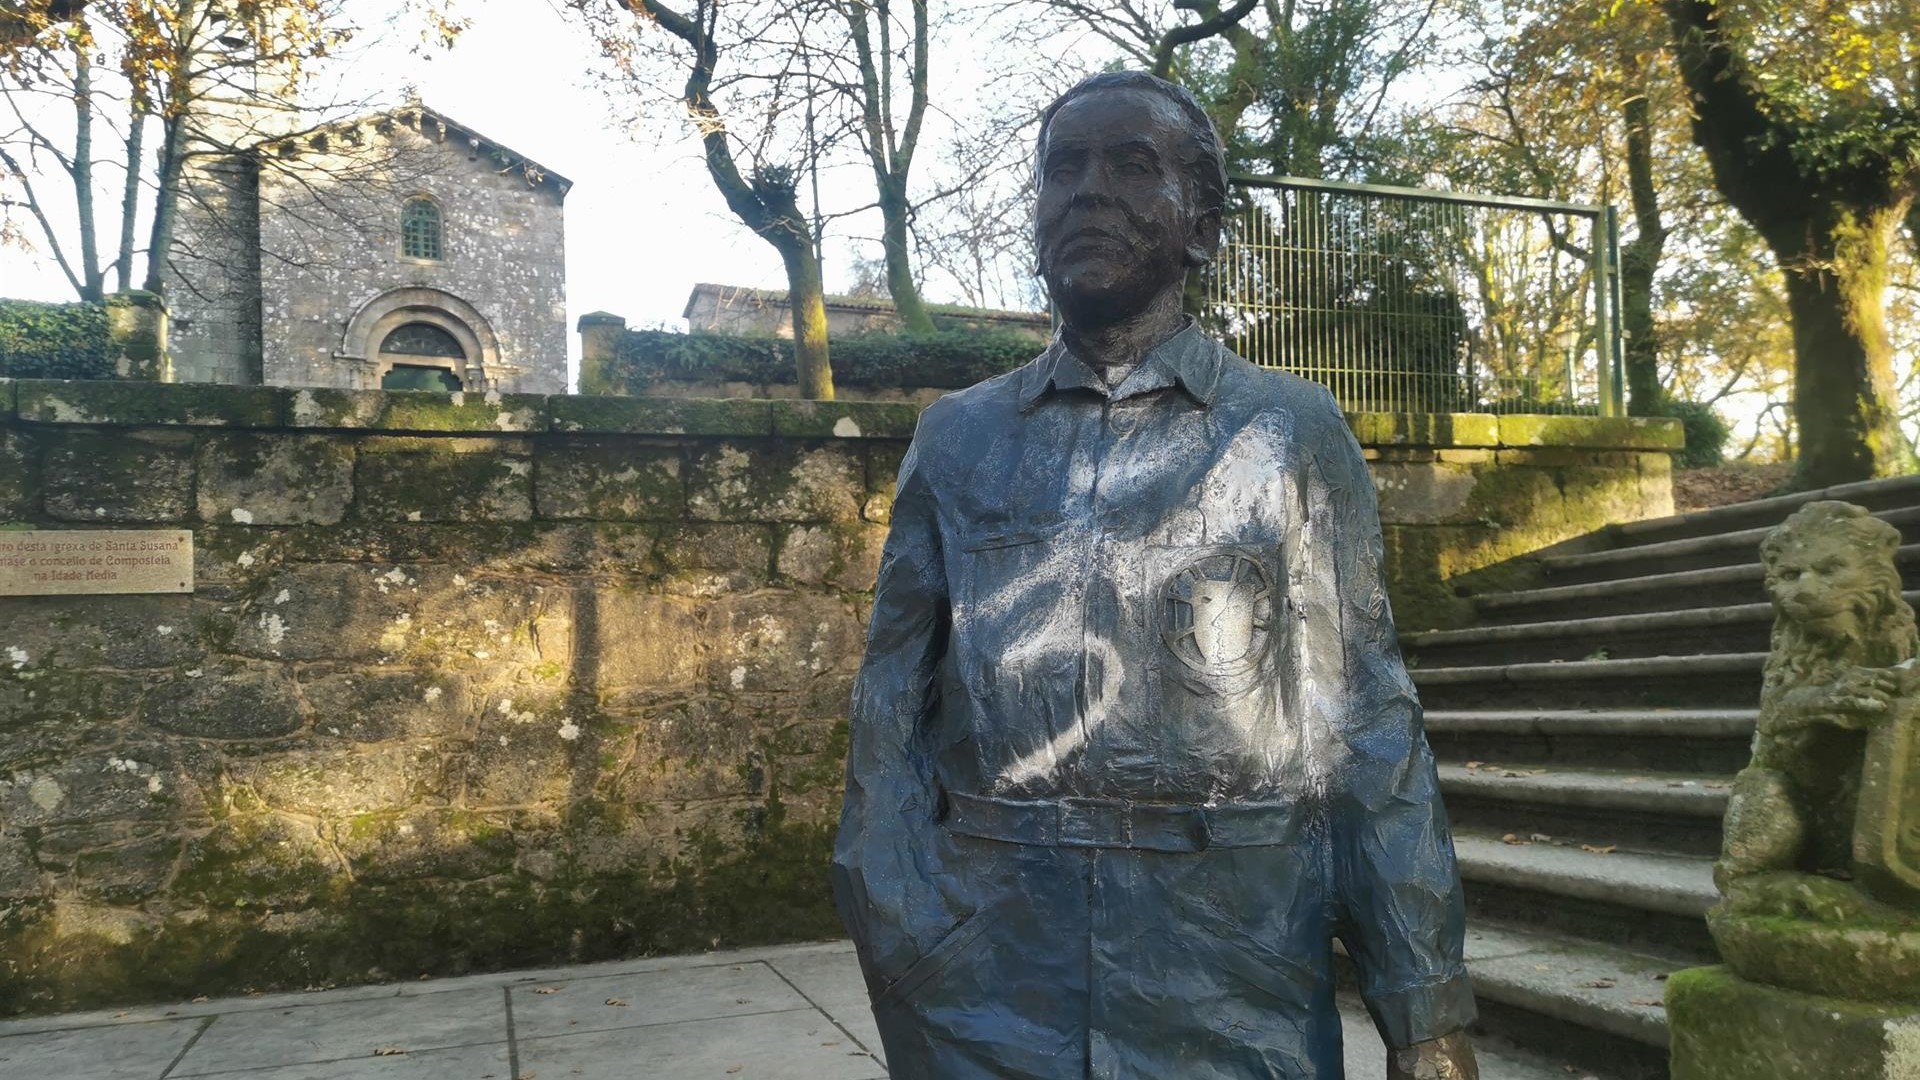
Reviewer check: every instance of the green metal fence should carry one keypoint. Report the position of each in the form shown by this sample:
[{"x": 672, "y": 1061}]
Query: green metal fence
[{"x": 1406, "y": 300}]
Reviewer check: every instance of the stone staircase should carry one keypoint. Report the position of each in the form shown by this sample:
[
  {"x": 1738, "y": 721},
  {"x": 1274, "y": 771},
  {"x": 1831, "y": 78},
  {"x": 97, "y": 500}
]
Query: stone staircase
[{"x": 1587, "y": 732}]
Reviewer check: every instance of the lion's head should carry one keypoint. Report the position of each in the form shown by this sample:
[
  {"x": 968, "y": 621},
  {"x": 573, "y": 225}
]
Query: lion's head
[{"x": 1836, "y": 594}]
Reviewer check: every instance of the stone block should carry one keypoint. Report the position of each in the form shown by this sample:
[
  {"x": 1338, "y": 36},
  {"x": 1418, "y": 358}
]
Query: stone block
[
  {"x": 417, "y": 410},
  {"x": 1424, "y": 429},
  {"x": 444, "y": 479},
  {"x": 710, "y": 560},
  {"x": 779, "y": 640},
  {"x": 19, "y": 484},
  {"x": 1592, "y": 432},
  {"x": 330, "y": 611},
  {"x": 695, "y": 749},
  {"x": 47, "y": 713},
  {"x": 257, "y": 861},
  {"x": 118, "y": 476},
  {"x": 609, "y": 480},
  {"x": 646, "y": 640},
  {"x": 845, "y": 419},
  {"x": 339, "y": 782},
  {"x": 1723, "y": 1027},
  {"x": 134, "y": 782},
  {"x": 78, "y": 632},
  {"x": 775, "y": 482},
  {"x": 52, "y": 401},
  {"x": 883, "y": 474},
  {"x": 595, "y": 415},
  {"x": 250, "y": 479},
  {"x": 129, "y": 872},
  {"x": 1422, "y": 494},
  {"x": 20, "y": 876},
  {"x": 226, "y": 701},
  {"x": 523, "y": 751},
  {"x": 416, "y": 845},
  {"x": 380, "y": 705},
  {"x": 845, "y": 557}
]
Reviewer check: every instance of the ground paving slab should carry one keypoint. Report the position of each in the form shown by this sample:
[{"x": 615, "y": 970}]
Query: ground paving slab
[{"x": 788, "y": 1013}]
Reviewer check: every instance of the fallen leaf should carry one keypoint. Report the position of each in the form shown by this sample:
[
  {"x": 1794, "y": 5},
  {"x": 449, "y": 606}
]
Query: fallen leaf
[
  {"x": 1600, "y": 849},
  {"x": 548, "y": 989},
  {"x": 1512, "y": 839},
  {"x": 735, "y": 1069},
  {"x": 1541, "y": 838},
  {"x": 388, "y": 1051},
  {"x": 1599, "y": 984},
  {"x": 1662, "y": 977},
  {"x": 1476, "y": 764},
  {"x": 1654, "y": 1003},
  {"x": 118, "y": 1015},
  {"x": 617, "y": 1001},
  {"x": 199, "y": 999},
  {"x": 741, "y": 1001}
]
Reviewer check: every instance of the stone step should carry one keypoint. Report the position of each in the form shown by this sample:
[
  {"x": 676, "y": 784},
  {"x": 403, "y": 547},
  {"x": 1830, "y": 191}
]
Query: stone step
[
  {"x": 1690, "y": 631},
  {"x": 1689, "y": 553},
  {"x": 1596, "y": 1006},
  {"x": 1758, "y": 513},
  {"x": 1639, "y": 811},
  {"x": 1699, "y": 740},
  {"x": 1722, "y": 586},
  {"x": 1651, "y": 901},
  {"x": 1720, "y": 680}
]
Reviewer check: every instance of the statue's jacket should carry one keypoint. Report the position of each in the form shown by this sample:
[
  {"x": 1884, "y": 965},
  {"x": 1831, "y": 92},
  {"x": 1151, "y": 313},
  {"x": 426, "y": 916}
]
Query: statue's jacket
[{"x": 1133, "y": 743}]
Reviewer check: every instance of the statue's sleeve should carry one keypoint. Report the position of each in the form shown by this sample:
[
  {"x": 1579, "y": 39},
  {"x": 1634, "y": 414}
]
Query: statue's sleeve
[
  {"x": 1402, "y": 916},
  {"x": 886, "y": 862}
]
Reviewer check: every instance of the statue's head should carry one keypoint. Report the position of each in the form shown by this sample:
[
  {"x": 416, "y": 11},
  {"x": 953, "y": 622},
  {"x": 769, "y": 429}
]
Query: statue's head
[
  {"x": 1830, "y": 572},
  {"x": 1131, "y": 182}
]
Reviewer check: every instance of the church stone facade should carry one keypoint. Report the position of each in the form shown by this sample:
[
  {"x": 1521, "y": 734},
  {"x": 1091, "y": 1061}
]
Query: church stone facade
[{"x": 400, "y": 250}]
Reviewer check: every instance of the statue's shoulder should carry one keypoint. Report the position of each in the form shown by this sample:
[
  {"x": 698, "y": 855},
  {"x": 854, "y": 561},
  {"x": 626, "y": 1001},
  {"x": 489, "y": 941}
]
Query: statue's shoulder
[
  {"x": 989, "y": 402},
  {"x": 1262, "y": 389}
]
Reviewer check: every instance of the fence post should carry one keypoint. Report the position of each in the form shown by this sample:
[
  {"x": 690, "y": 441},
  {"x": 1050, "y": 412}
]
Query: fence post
[{"x": 1604, "y": 335}]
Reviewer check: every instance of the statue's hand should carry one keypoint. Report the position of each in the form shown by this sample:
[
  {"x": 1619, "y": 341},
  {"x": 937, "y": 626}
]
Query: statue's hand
[
  {"x": 1448, "y": 1057},
  {"x": 1863, "y": 695}
]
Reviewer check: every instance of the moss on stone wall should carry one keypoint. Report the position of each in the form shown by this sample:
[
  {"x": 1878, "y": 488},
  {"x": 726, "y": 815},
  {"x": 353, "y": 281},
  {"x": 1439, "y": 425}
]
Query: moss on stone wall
[{"x": 54, "y": 341}]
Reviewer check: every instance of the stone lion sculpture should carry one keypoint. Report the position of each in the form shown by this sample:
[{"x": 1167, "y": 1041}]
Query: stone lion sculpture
[{"x": 1839, "y": 668}]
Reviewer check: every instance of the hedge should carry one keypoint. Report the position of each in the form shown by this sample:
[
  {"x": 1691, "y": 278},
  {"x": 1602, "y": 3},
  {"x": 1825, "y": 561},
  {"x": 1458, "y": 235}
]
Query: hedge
[
  {"x": 54, "y": 341},
  {"x": 948, "y": 359}
]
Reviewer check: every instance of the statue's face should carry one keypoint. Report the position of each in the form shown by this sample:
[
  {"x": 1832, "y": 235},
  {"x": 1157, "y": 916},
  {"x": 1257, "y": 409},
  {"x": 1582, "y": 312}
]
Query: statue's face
[
  {"x": 1114, "y": 222},
  {"x": 1821, "y": 583}
]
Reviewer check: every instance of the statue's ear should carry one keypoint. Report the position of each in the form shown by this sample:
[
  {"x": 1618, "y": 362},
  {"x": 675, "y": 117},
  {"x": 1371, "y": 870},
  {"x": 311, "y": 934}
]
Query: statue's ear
[{"x": 1203, "y": 242}]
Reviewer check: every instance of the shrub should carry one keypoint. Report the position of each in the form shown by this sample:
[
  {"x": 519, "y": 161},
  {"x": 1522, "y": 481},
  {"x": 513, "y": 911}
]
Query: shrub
[
  {"x": 1706, "y": 434},
  {"x": 54, "y": 341}
]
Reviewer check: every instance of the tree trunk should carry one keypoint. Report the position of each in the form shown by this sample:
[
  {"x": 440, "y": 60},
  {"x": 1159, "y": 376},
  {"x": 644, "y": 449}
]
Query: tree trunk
[
  {"x": 91, "y": 281},
  {"x": 1844, "y": 404},
  {"x": 893, "y": 240},
  {"x": 1640, "y": 257},
  {"x": 130, "y": 197},
  {"x": 166, "y": 200},
  {"x": 807, "y": 299}
]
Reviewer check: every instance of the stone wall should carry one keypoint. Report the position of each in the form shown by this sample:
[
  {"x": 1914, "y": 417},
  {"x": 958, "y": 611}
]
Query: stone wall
[{"x": 472, "y": 682}]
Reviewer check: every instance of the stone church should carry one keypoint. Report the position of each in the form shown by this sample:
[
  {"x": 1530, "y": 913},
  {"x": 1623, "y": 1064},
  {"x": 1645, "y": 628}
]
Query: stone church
[{"x": 401, "y": 250}]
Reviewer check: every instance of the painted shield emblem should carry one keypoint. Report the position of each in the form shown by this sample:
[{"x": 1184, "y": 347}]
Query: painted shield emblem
[{"x": 1216, "y": 613}]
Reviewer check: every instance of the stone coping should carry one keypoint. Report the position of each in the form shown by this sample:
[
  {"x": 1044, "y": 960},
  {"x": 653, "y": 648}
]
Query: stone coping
[{"x": 101, "y": 403}]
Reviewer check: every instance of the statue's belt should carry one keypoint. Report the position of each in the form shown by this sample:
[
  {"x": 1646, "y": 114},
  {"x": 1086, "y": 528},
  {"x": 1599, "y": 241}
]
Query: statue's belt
[{"x": 1122, "y": 823}]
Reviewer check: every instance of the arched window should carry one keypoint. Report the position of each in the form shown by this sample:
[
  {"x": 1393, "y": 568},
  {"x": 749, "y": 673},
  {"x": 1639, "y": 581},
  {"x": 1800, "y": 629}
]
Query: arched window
[
  {"x": 420, "y": 228},
  {"x": 422, "y": 339},
  {"x": 418, "y": 377}
]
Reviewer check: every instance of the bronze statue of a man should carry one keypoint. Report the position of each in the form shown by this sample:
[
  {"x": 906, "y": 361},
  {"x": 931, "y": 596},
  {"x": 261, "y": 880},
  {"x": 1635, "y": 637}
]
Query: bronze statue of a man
[{"x": 1133, "y": 743}]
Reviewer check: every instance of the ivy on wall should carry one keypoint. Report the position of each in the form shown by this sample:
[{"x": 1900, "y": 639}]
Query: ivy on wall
[
  {"x": 948, "y": 359},
  {"x": 54, "y": 341}
]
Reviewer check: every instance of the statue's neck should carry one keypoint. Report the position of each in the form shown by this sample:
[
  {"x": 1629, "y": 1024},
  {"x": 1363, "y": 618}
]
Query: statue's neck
[{"x": 1116, "y": 348}]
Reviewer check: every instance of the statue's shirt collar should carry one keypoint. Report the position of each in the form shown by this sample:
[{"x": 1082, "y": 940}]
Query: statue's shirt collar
[{"x": 1187, "y": 360}]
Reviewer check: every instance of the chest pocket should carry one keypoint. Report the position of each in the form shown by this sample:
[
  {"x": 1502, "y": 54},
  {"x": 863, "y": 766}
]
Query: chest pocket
[{"x": 1217, "y": 613}]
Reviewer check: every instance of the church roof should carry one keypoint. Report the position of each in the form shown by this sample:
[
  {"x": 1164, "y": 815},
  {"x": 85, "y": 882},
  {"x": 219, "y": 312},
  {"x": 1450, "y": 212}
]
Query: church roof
[{"x": 433, "y": 124}]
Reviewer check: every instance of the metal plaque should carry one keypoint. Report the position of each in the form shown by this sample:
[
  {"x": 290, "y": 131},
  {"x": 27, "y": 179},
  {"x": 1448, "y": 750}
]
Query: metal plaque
[{"x": 60, "y": 562}]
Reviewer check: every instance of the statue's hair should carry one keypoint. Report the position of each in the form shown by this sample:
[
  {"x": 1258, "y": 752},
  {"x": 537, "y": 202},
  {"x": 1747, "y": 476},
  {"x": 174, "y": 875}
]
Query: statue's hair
[
  {"x": 1205, "y": 158},
  {"x": 1888, "y": 632}
]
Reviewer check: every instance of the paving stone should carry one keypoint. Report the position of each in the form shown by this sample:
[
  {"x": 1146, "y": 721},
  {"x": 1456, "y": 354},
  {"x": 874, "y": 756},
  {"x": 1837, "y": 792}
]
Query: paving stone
[
  {"x": 492, "y": 1062},
  {"x": 798, "y": 1044},
  {"x": 130, "y": 1052},
  {"x": 668, "y": 997},
  {"x": 346, "y": 1031}
]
